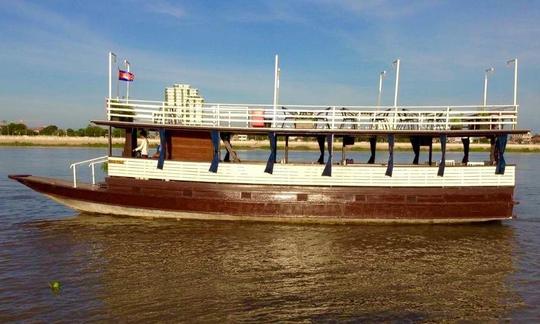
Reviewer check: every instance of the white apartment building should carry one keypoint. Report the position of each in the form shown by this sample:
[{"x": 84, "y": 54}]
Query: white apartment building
[{"x": 187, "y": 102}]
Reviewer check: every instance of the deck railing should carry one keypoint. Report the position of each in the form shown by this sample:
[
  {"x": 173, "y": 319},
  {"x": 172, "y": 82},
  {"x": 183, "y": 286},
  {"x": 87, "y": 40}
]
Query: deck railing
[
  {"x": 91, "y": 163},
  {"x": 315, "y": 117}
]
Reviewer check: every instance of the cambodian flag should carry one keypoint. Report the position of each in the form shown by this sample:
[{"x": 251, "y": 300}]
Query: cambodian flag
[{"x": 125, "y": 75}]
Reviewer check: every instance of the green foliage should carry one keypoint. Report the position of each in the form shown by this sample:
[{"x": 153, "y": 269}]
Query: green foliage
[
  {"x": 49, "y": 130},
  {"x": 16, "y": 129},
  {"x": 118, "y": 132}
]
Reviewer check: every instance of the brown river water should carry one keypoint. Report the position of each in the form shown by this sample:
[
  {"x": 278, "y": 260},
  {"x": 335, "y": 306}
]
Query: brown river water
[{"x": 130, "y": 269}]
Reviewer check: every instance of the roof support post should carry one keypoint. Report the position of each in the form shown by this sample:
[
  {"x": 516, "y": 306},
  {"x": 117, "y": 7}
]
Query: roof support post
[
  {"x": 272, "y": 158},
  {"x": 373, "y": 149},
  {"x": 466, "y": 142},
  {"x": 320, "y": 140},
  {"x": 442, "y": 164},
  {"x": 501, "y": 146},
  {"x": 327, "y": 172},
  {"x": 215, "y": 142},
  {"x": 390, "y": 167},
  {"x": 162, "y": 148}
]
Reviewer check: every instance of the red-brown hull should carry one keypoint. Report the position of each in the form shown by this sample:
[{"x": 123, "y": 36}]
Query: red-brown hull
[{"x": 300, "y": 203}]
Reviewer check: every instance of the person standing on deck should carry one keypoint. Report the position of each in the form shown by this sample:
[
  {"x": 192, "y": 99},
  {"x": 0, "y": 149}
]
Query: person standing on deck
[{"x": 143, "y": 147}]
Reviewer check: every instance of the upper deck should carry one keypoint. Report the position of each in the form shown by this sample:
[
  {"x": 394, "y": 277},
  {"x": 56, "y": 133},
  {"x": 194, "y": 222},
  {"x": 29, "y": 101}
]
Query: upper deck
[{"x": 312, "y": 118}]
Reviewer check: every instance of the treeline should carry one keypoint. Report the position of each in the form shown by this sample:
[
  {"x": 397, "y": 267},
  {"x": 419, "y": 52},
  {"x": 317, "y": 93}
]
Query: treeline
[{"x": 53, "y": 130}]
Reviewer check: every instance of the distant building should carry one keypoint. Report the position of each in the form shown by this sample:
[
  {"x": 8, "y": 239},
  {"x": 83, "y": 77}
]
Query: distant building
[
  {"x": 535, "y": 139},
  {"x": 521, "y": 138},
  {"x": 187, "y": 103},
  {"x": 37, "y": 130}
]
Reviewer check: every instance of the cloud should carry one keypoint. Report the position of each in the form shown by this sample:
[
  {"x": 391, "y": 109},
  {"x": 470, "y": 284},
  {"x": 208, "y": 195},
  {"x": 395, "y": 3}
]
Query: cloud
[
  {"x": 166, "y": 8},
  {"x": 378, "y": 8},
  {"x": 267, "y": 12}
]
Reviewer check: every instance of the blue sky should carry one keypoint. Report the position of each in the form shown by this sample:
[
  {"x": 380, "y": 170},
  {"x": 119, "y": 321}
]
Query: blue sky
[{"x": 53, "y": 54}]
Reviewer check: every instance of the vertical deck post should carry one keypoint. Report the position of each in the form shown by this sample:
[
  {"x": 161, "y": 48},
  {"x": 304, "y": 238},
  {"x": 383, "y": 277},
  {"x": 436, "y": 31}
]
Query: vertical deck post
[
  {"x": 466, "y": 142},
  {"x": 272, "y": 158},
  {"x": 74, "y": 176},
  {"x": 327, "y": 172},
  {"x": 442, "y": 164},
  {"x": 372, "y": 148},
  {"x": 93, "y": 174},
  {"x": 501, "y": 146},
  {"x": 286, "y": 148},
  {"x": 215, "y": 159},
  {"x": 390, "y": 167}
]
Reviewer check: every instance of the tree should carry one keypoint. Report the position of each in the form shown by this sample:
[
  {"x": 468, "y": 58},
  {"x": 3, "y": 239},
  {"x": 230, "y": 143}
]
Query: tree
[
  {"x": 49, "y": 130},
  {"x": 118, "y": 132},
  {"x": 95, "y": 131},
  {"x": 70, "y": 132},
  {"x": 17, "y": 129}
]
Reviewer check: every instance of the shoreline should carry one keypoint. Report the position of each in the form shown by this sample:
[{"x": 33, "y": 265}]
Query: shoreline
[{"x": 64, "y": 141}]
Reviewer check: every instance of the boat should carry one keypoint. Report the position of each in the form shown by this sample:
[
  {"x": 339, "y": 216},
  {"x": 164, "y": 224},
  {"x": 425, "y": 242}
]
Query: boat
[{"x": 198, "y": 175}]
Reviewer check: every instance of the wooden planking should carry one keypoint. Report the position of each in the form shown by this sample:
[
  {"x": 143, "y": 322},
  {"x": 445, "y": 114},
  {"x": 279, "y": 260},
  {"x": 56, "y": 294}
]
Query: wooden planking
[
  {"x": 190, "y": 146},
  {"x": 302, "y": 175},
  {"x": 286, "y": 202}
]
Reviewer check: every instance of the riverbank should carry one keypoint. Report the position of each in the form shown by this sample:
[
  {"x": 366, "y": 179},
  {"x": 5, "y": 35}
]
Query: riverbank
[{"x": 65, "y": 141}]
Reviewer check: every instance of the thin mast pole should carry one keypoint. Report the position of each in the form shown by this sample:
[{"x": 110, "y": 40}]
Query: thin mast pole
[
  {"x": 515, "y": 80},
  {"x": 396, "y": 91},
  {"x": 485, "y": 89},
  {"x": 276, "y": 89},
  {"x": 128, "y": 68},
  {"x": 515, "y": 88},
  {"x": 112, "y": 57},
  {"x": 396, "y": 62},
  {"x": 379, "y": 97},
  {"x": 515, "y": 61},
  {"x": 490, "y": 70}
]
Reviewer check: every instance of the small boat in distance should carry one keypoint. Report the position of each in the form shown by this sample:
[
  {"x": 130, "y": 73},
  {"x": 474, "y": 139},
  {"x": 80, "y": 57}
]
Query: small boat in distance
[{"x": 198, "y": 175}]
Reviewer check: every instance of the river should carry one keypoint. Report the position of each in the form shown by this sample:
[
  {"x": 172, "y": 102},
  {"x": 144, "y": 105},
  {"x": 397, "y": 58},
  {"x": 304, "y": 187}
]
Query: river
[{"x": 209, "y": 271}]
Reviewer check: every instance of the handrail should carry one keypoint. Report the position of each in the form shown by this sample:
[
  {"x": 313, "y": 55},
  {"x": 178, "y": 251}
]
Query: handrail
[
  {"x": 91, "y": 163},
  {"x": 314, "y": 117}
]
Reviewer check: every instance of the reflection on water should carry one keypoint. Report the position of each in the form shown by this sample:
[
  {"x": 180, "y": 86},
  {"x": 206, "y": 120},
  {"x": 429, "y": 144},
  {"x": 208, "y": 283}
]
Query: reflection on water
[{"x": 212, "y": 271}]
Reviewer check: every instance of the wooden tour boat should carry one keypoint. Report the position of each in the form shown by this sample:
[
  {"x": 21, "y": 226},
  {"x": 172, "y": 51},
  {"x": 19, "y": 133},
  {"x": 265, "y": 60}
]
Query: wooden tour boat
[{"x": 198, "y": 175}]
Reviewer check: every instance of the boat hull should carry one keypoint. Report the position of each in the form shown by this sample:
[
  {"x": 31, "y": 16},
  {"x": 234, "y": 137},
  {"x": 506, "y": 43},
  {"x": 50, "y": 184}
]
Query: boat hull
[{"x": 193, "y": 200}]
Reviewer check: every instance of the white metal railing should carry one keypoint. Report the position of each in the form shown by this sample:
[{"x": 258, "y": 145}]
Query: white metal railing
[
  {"x": 316, "y": 117},
  {"x": 352, "y": 175},
  {"x": 91, "y": 164}
]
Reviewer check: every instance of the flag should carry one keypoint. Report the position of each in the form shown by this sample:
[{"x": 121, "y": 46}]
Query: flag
[{"x": 125, "y": 76}]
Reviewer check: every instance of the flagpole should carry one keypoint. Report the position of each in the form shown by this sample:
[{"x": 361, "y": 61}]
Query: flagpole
[
  {"x": 112, "y": 57},
  {"x": 128, "y": 68}
]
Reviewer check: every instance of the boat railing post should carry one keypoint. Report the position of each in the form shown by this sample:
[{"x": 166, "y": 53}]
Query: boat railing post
[
  {"x": 447, "y": 118},
  {"x": 93, "y": 174},
  {"x": 333, "y": 116},
  {"x": 218, "y": 113},
  {"x": 74, "y": 176},
  {"x": 163, "y": 113}
]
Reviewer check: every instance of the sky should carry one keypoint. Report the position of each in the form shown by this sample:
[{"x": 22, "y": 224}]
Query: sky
[{"x": 54, "y": 68}]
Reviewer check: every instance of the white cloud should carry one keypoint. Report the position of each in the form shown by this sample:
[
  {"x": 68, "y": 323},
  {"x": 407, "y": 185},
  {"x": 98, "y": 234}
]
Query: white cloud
[{"x": 166, "y": 8}]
